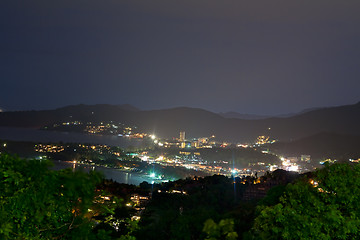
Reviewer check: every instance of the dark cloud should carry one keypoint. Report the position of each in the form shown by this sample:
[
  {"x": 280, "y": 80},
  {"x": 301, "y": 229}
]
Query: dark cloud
[{"x": 264, "y": 57}]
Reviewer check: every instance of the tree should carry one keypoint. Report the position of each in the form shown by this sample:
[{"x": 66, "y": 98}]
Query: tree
[
  {"x": 223, "y": 230},
  {"x": 323, "y": 206},
  {"x": 39, "y": 203}
]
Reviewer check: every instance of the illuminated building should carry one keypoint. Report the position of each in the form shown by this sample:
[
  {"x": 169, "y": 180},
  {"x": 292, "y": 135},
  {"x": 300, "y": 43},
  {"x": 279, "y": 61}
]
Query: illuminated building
[
  {"x": 262, "y": 140},
  {"x": 182, "y": 137},
  {"x": 195, "y": 144},
  {"x": 48, "y": 148},
  {"x": 305, "y": 158}
]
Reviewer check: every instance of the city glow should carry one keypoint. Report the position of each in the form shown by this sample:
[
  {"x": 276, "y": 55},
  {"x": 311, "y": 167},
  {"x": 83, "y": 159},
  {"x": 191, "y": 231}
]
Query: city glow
[{"x": 293, "y": 168}]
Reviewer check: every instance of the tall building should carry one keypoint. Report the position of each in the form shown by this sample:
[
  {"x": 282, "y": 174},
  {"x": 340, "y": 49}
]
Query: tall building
[{"x": 182, "y": 137}]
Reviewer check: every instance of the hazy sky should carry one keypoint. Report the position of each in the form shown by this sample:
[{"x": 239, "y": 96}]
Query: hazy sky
[{"x": 263, "y": 57}]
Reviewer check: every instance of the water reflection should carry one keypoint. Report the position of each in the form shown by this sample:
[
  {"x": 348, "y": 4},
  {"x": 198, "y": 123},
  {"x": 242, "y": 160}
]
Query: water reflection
[{"x": 109, "y": 173}]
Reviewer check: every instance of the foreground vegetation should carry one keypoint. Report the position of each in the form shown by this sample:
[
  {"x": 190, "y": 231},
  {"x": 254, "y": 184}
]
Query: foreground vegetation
[
  {"x": 322, "y": 205},
  {"x": 38, "y": 203}
]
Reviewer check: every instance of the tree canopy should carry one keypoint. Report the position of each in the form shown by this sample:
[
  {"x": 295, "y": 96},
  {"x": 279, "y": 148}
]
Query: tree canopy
[
  {"x": 39, "y": 203},
  {"x": 324, "y": 205}
]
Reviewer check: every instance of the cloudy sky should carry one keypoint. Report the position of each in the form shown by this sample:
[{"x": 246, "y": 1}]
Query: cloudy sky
[{"x": 259, "y": 57}]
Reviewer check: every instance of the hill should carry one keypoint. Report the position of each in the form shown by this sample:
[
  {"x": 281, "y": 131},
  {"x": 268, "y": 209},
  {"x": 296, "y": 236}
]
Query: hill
[
  {"x": 128, "y": 107},
  {"x": 322, "y": 145},
  {"x": 242, "y": 116},
  {"x": 196, "y": 122}
]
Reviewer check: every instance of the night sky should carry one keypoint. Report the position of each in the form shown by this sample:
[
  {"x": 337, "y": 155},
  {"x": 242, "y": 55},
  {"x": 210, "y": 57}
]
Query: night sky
[{"x": 259, "y": 57}]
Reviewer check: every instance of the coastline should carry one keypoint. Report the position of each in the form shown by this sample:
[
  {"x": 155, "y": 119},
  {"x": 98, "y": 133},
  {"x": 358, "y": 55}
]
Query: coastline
[{"x": 116, "y": 174}]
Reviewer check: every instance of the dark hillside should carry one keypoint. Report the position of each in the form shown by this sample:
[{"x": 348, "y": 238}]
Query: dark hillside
[{"x": 198, "y": 122}]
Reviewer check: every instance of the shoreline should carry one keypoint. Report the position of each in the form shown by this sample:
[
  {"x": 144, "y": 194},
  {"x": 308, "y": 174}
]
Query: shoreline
[{"x": 120, "y": 175}]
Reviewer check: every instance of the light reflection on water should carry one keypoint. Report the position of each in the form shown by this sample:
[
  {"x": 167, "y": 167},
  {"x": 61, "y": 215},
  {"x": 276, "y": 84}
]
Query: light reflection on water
[
  {"x": 109, "y": 173},
  {"x": 35, "y": 135}
]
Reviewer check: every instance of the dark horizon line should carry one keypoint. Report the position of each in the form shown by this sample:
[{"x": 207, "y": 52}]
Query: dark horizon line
[{"x": 292, "y": 113}]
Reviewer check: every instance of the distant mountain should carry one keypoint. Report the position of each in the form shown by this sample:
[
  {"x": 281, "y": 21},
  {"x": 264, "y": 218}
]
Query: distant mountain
[
  {"x": 256, "y": 117},
  {"x": 196, "y": 122},
  {"x": 128, "y": 107},
  {"x": 242, "y": 116},
  {"x": 298, "y": 113},
  {"x": 322, "y": 145}
]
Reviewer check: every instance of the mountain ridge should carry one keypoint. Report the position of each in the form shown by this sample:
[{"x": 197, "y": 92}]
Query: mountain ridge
[
  {"x": 196, "y": 122},
  {"x": 321, "y": 145}
]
